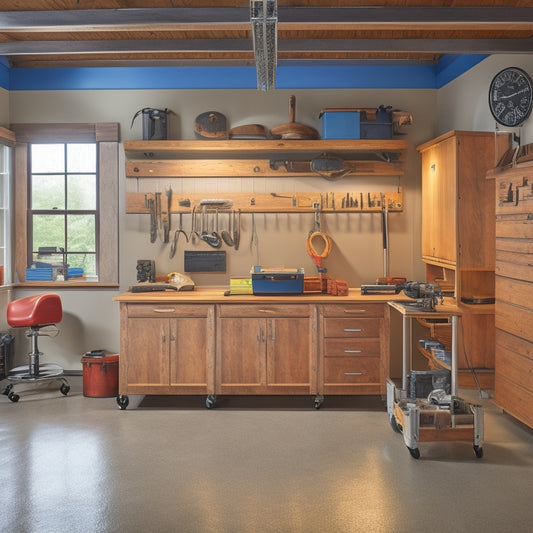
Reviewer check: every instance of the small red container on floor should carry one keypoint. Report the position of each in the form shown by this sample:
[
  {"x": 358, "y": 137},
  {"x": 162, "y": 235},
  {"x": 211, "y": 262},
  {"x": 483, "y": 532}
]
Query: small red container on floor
[{"x": 100, "y": 375}]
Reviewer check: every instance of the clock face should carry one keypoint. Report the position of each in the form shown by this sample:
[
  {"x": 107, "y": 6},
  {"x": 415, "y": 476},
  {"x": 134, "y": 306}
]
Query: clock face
[{"x": 510, "y": 96}]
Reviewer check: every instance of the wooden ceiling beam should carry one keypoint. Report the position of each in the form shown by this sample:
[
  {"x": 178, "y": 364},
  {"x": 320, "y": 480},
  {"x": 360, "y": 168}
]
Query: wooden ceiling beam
[
  {"x": 456, "y": 46},
  {"x": 378, "y": 17}
]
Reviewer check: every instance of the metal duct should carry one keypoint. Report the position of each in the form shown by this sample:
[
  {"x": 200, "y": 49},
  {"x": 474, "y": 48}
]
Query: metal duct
[{"x": 264, "y": 21}]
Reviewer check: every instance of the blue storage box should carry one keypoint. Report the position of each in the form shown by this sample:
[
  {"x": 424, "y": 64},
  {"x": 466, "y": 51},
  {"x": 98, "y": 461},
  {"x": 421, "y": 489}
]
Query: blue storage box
[
  {"x": 381, "y": 128},
  {"x": 277, "y": 281},
  {"x": 39, "y": 274},
  {"x": 340, "y": 123}
]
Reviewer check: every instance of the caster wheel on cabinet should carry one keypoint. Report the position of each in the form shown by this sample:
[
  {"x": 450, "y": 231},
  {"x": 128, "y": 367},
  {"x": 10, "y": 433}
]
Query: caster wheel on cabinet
[
  {"x": 65, "y": 389},
  {"x": 319, "y": 400},
  {"x": 210, "y": 401},
  {"x": 478, "y": 450},
  {"x": 123, "y": 401}
]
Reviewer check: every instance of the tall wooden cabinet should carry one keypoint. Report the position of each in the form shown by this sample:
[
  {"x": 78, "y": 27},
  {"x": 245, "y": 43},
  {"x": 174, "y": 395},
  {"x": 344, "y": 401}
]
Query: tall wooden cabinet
[
  {"x": 513, "y": 390},
  {"x": 458, "y": 239}
]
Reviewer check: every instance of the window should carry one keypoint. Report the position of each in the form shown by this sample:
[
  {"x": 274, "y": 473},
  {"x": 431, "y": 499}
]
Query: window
[
  {"x": 66, "y": 197},
  {"x": 63, "y": 212}
]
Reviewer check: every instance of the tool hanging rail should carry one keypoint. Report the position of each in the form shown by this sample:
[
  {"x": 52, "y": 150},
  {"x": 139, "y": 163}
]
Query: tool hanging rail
[{"x": 286, "y": 202}]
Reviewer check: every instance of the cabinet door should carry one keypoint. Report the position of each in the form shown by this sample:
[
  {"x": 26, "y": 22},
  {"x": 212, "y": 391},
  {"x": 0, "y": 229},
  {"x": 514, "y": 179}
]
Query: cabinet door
[
  {"x": 439, "y": 191},
  {"x": 241, "y": 355},
  {"x": 148, "y": 352},
  {"x": 188, "y": 353},
  {"x": 288, "y": 349}
]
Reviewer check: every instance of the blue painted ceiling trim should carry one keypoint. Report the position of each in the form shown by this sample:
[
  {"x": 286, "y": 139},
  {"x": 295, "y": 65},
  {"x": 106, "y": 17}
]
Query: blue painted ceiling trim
[
  {"x": 451, "y": 66},
  {"x": 287, "y": 77}
]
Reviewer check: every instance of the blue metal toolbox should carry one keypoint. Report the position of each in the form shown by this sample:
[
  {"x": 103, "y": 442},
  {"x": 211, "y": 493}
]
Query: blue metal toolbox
[
  {"x": 340, "y": 123},
  {"x": 277, "y": 281}
]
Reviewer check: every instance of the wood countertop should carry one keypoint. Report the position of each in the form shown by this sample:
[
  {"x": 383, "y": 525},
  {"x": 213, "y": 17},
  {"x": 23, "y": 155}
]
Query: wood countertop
[{"x": 216, "y": 295}]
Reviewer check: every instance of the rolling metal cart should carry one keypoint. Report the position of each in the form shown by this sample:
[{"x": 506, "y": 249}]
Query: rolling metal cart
[{"x": 438, "y": 417}]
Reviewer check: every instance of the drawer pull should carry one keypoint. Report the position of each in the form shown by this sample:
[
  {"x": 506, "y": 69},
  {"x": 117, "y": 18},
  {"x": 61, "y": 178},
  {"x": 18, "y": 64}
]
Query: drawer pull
[
  {"x": 353, "y": 351},
  {"x": 266, "y": 311},
  {"x": 351, "y": 330},
  {"x": 359, "y": 311},
  {"x": 164, "y": 309},
  {"x": 353, "y": 373}
]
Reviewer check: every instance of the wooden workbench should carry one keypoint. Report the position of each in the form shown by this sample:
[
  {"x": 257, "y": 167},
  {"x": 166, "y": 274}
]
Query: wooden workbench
[{"x": 202, "y": 342}]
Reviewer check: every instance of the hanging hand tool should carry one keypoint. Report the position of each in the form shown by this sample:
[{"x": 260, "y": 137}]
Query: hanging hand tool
[
  {"x": 211, "y": 239},
  {"x": 227, "y": 234},
  {"x": 237, "y": 231},
  {"x": 149, "y": 202},
  {"x": 177, "y": 233},
  {"x": 165, "y": 214}
]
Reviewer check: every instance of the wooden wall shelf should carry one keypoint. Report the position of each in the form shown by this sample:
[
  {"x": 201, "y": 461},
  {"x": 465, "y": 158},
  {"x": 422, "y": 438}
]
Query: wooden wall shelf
[{"x": 249, "y": 158}]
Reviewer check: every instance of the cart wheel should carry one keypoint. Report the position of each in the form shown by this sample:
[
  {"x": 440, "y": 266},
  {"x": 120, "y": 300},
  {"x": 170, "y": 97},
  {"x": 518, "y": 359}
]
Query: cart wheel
[
  {"x": 123, "y": 401},
  {"x": 415, "y": 452},
  {"x": 64, "y": 389},
  {"x": 13, "y": 397},
  {"x": 394, "y": 425},
  {"x": 478, "y": 450},
  {"x": 319, "y": 400},
  {"x": 7, "y": 390},
  {"x": 210, "y": 401}
]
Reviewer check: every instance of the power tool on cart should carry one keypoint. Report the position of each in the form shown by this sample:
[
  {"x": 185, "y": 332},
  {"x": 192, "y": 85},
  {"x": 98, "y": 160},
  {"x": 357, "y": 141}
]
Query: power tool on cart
[{"x": 427, "y": 295}]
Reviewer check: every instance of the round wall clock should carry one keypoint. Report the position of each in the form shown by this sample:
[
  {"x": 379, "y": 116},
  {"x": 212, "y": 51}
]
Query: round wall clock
[{"x": 511, "y": 96}]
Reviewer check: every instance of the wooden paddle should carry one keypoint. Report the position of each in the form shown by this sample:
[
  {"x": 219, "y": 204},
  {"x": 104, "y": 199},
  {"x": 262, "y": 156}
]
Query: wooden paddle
[{"x": 294, "y": 130}]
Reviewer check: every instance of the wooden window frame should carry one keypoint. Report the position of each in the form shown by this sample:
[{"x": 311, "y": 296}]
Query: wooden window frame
[{"x": 106, "y": 135}]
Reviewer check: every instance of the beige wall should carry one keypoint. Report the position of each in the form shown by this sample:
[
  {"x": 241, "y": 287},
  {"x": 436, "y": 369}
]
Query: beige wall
[{"x": 91, "y": 319}]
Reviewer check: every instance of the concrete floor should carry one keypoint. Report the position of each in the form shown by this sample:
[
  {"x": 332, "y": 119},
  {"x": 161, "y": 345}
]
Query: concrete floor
[{"x": 167, "y": 464}]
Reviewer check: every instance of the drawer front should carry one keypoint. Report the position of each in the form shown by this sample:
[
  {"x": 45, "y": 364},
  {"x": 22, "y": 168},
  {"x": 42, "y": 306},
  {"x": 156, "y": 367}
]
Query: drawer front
[
  {"x": 353, "y": 310},
  {"x": 352, "y": 347},
  {"x": 267, "y": 310},
  {"x": 167, "y": 310},
  {"x": 352, "y": 327},
  {"x": 351, "y": 370}
]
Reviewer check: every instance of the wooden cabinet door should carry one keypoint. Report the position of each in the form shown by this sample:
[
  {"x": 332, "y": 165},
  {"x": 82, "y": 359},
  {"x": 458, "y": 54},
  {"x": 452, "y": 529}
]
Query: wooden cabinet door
[
  {"x": 188, "y": 354},
  {"x": 439, "y": 191},
  {"x": 241, "y": 355},
  {"x": 288, "y": 348},
  {"x": 148, "y": 352}
]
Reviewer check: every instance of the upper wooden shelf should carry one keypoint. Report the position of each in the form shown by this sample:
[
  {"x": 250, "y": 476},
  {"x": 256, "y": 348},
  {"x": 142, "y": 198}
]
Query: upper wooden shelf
[{"x": 251, "y": 148}]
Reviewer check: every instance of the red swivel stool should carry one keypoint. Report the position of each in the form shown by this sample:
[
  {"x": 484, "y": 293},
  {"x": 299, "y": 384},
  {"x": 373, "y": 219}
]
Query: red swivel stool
[{"x": 35, "y": 313}]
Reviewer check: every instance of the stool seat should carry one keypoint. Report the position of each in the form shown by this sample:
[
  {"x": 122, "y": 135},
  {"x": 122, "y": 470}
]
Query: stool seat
[{"x": 34, "y": 311}]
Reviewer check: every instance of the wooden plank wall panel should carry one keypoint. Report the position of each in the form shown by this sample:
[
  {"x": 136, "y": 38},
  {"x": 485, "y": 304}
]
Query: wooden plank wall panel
[
  {"x": 522, "y": 399},
  {"x": 513, "y": 389}
]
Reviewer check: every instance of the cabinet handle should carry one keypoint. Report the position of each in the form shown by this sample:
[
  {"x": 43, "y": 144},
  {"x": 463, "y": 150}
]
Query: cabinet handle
[
  {"x": 272, "y": 333},
  {"x": 163, "y": 309},
  {"x": 266, "y": 311},
  {"x": 353, "y": 351},
  {"x": 261, "y": 336},
  {"x": 348, "y": 330},
  {"x": 353, "y": 373},
  {"x": 359, "y": 311}
]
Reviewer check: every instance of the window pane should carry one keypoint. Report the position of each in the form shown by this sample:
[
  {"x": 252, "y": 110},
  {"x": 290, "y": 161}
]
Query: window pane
[
  {"x": 81, "y": 233},
  {"x": 48, "y": 192},
  {"x": 81, "y": 157},
  {"x": 47, "y": 158},
  {"x": 48, "y": 230},
  {"x": 85, "y": 261},
  {"x": 81, "y": 192}
]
